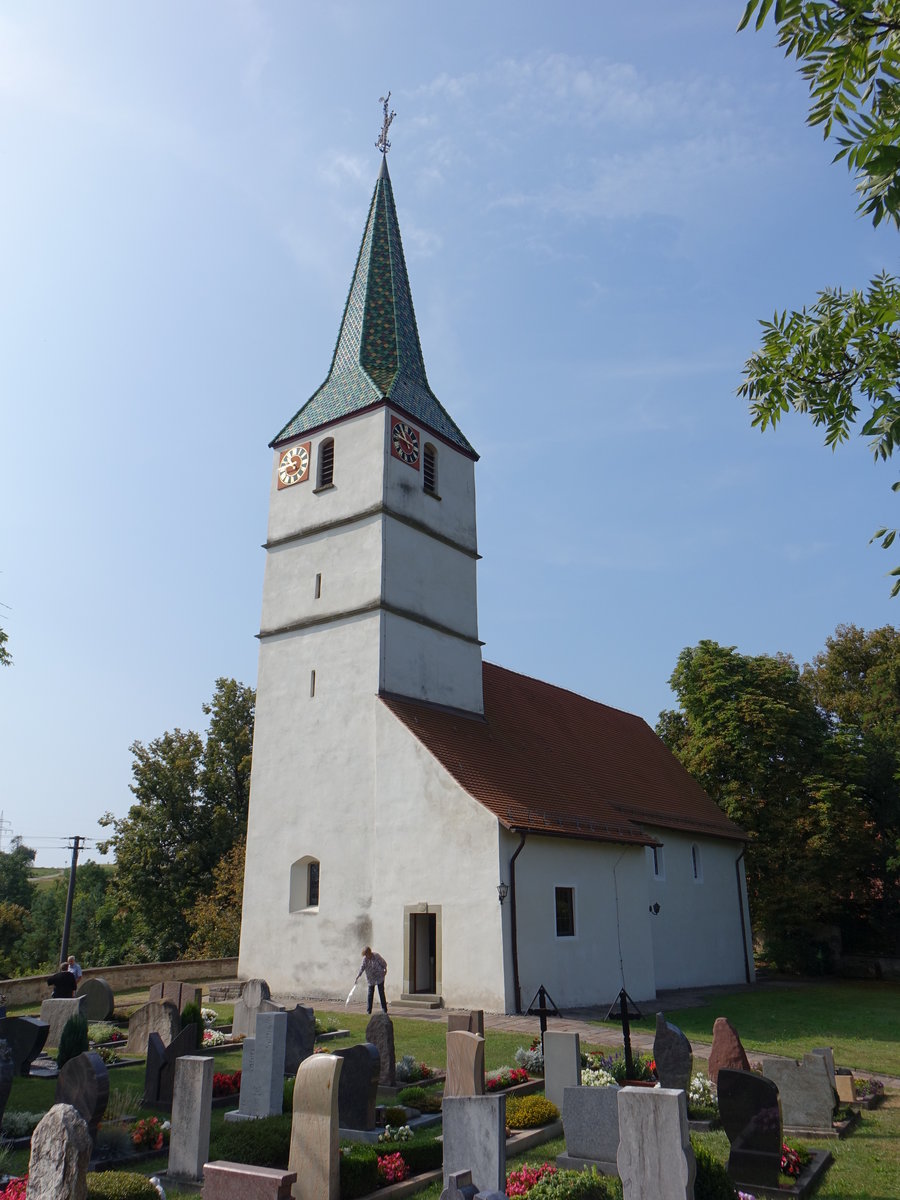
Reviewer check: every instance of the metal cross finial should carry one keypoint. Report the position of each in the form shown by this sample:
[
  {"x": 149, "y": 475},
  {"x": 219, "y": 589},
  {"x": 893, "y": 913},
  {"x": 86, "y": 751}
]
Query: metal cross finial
[{"x": 383, "y": 144}]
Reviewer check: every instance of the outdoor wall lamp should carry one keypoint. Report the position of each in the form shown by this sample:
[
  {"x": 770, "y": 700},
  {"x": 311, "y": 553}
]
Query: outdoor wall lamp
[
  {"x": 502, "y": 891},
  {"x": 654, "y": 908}
]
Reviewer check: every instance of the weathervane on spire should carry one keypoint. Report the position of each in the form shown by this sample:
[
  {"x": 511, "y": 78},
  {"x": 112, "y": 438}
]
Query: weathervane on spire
[{"x": 383, "y": 144}]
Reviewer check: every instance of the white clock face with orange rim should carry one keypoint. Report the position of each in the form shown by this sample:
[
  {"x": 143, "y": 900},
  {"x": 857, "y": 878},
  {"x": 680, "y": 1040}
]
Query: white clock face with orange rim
[
  {"x": 405, "y": 442},
  {"x": 293, "y": 466}
]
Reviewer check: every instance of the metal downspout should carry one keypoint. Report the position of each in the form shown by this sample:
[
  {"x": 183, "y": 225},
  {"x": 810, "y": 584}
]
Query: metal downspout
[
  {"x": 517, "y": 991},
  {"x": 737, "y": 871}
]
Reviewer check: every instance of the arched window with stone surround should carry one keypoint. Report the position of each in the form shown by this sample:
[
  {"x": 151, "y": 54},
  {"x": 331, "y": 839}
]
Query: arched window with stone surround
[{"x": 304, "y": 895}]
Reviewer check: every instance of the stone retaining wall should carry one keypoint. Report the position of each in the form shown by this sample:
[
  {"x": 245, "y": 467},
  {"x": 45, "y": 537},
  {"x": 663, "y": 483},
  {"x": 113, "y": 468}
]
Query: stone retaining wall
[{"x": 32, "y": 989}]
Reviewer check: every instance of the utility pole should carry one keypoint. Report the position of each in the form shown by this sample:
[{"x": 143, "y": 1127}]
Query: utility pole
[{"x": 64, "y": 952}]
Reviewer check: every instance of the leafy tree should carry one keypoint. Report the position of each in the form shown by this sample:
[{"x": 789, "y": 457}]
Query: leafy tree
[
  {"x": 15, "y": 874},
  {"x": 12, "y": 926},
  {"x": 101, "y": 931},
  {"x": 215, "y": 919},
  {"x": 5, "y": 656},
  {"x": 843, "y": 351},
  {"x": 750, "y": 732},
  {"x": 191, "y": 806}
]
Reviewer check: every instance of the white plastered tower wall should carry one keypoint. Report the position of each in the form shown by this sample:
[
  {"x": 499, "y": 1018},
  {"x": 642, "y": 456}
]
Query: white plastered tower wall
[{"x": 701, "y": 934}]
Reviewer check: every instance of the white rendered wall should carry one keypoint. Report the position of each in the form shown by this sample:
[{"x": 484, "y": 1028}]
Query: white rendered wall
[
  {"x": 584, "y": 969},
  {"x": 697, "y": 933},
  {"x": 435, "y": 845}
]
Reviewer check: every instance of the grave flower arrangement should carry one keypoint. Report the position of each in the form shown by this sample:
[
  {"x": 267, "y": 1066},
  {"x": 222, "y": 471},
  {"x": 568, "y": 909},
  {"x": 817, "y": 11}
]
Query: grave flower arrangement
[
  {"x": 150, "y": 1133},
  {"x": 793, "y": 1160},
  {"x": 531, "y": 1059},
  {"x": 209, "y": 1016},
  {"x": 409, "y": 1071},
  {"x": 505, "y": 1077},
  {"x": 644, "y": 1067},
  {"x": 392, "y": 1168},
  {"x": 213, "y": 1037},
  {"x": 225, "y": 1084},
  {"x": 518, "y": 1183},
  {"x": 597, "y": 1077},
  {"x": 16, "y": 1188},
  {"x": 866, "y": 1088},
  {"x": 396, "y": 1133}
]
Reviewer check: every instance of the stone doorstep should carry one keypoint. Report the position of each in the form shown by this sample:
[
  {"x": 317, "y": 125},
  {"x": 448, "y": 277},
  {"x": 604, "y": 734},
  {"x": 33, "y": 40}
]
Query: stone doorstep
[
  {"x": 819, "y": 1163},
  {"x": 839, "y": 1129}
]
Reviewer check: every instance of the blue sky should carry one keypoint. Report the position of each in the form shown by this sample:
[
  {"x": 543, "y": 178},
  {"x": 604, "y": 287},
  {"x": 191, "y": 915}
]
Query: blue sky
[{"x": 597, "y": 203}]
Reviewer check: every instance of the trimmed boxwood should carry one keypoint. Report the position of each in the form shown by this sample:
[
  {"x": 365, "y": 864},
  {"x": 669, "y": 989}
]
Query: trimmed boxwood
[
  {"x": 119, "y": 1185},
  {"x": 577, "y": 1185},
  {"x": 262, "y": 1143},
  {"x": 359, "y": 1170},
  {"x": 73, "y": 1040},
  {"x": 395, "y": 1115},
  {"x": 415, "y": 1097},
  {"x": 423, "y": 1153}
]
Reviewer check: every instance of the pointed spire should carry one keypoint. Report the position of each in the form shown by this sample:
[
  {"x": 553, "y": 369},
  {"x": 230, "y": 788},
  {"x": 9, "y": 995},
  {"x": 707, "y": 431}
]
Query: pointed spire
[{"x": 378, "y": 356}]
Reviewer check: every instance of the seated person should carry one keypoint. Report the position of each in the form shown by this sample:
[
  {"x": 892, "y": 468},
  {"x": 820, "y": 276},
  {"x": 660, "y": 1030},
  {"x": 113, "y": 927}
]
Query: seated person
[{"x": 63, "y": 982}]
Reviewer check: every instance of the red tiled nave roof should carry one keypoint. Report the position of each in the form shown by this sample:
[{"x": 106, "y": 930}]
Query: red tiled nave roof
[{"x": 545, "y": 760}]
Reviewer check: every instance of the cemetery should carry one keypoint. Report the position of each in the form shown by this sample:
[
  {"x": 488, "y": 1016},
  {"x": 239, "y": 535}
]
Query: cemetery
[{"x": 392, "y": 1104}]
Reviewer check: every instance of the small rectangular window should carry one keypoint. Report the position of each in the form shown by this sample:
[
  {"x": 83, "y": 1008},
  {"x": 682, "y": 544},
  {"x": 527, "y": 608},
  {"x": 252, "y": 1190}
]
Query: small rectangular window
[
  {"x": 312, "y": 684},
  {"x": 326, "y": 463},
  {"x": 565, "y": 912},
  {"x": 429, "y": 471},
  {"x": 695, "y": 863},
  {"x": 656, "y": 858},
  {"x": 312, "y": 885},
  {"x": 318, "y": 587}
]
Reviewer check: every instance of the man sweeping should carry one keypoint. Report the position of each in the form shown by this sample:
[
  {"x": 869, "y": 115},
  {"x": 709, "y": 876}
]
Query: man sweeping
[{"x": 375, "y": 968}]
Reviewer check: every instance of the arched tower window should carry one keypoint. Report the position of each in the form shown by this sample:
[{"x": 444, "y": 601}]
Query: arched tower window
[
  {"x": 304, "y": 884},
  {"x": 429, "y": 469},
  {"x": 326, "y": 464}
]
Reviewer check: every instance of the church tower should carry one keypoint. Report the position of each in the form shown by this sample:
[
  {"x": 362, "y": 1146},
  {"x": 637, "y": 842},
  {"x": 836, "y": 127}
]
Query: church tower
[{"x": 369, "y": 593}]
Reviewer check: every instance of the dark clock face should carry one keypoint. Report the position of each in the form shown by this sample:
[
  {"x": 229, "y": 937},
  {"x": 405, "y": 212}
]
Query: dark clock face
[
  {"x": 405, "y": 443},
  {"x": 293, "y": 466}
]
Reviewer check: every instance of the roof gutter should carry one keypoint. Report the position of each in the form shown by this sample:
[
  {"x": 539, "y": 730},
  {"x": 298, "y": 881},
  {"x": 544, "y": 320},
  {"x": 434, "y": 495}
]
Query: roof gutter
[
  {"x": 513, "y": 926},
  {"x": 740, "y": 891}
]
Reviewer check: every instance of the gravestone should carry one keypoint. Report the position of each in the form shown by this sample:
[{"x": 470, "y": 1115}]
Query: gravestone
[
  {"x": 83, "y": 1082},
  {"x": 673, "y": 1054},
  {"x": 159, "y": 1016},
  {"x": 727, "y": 1050},
  {"x": 177, "y": 993},
  {"x": 358, "y": 1087},
  {"x": 562, "y": 1064},
  {"x": 827, "y": 1053},
  {"x": 315, "y": 1155},
  {"x": 475, "y": 1138},
  {"x": 469, "y": 1022},
  {"x": 159, "y": 1074},
  {"x": 191, "y": 1115},
  {"x": 844, "y": 1086},
  {"x": 459, "y": 1186},
  {"x": 60, "y": 1153},
  {"x": 255, "y": 997},
  {"x": 655, "y": 1156},
  {"x": 300, "y": 1039},
  {"x": 380, "y": 1033},
  {"x": 805, "y": 1090},
  {"x": 99, "y": 1000},
  {"x": 465, "y": 1064},
  {"x": 751, "y": 1117},
  {"x": 7, "y": 1075},
  {"x": 591, "y": 1123},
  {"x": 25, "y": 1037},
  {"x": 56, "y": 1012},
  {"x": 262, "y": 1069}
]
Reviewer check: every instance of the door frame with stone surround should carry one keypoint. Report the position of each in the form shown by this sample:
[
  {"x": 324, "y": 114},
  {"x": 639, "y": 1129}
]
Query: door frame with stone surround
[{"x": 412, "y": 914}]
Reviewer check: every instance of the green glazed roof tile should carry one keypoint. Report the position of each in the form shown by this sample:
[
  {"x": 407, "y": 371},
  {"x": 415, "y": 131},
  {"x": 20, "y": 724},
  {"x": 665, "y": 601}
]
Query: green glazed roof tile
[{"x": 378, "y": 355}]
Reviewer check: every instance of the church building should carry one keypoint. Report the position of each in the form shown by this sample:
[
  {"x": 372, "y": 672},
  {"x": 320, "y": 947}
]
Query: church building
[{"x": 485, "y": 832}]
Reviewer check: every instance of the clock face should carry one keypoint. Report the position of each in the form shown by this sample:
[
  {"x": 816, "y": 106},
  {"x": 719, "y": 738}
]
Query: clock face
[
  {"x": 405, "y": 443},
  {"x": 293, "y": 466}
]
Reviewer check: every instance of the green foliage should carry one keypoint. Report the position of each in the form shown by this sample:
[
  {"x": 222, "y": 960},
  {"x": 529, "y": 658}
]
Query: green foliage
[
  {"x": 423, "y": 1153},
  {"x": 191, "y": 807},
  {"x": 215, "y": 918},
  {"x": 287, "y": 1095},
  {"x": 5, "y": 656},
  {"x": 713, "y": 1181},
  {"x": 15, "y": 868},
  {"x": 414, "y": 1097},
  {"x": 119, "y": 1185},
  {"x": 20, "y": 1124},
  {"x": 359, "y": 1170},
  {"x": 527, "y": 1112},
  {"x": 101, "y": 1031},
  {"x": 844, "y": 350},
  {"x": 395, "y": 1115},
  {"x": 73, "y": 1040},
  {"x": 577, "y": 1185},
  {"x": 263, "y": 1143},
  {"x": 191, "y": 1015}
]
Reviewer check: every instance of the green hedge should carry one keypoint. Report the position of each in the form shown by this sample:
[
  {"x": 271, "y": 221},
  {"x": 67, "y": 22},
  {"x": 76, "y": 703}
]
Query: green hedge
[
  {"x": 359, "y": 1170},
  {"x": 119, "y": 1185},
  {"x": 423, "y": 1153},
  {"x": 263, "y": 1143}
]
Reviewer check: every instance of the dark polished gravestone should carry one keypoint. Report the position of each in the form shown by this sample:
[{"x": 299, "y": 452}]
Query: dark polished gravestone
[
  {"x": 83, "y": 1082},
  {"x": 358, "y": 1086},
  {"x": 674, "y": 1055},
  {"x": 159, "y": 1074},
  {"x": 380, "y": 1033},
  {"x": 751, "y": 1116},
  {"x": 7, "y": 1075},
  {"x": 99, "y": 1000},
  {"x": 26, "y": 1037},
  {"x": 300, "y": 1040}
]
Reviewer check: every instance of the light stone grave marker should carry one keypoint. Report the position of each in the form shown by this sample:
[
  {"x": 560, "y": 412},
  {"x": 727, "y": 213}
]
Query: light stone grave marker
[
  {"x": 262, "y": 1069},
  {"x": 465, "y": 1064},
  {"x": 469, "y": 1022},
  {"x": 591, "y": 1123},
  {"x": 655, "y": 1156},
  {"x": 805, "y": 1090},
  {"x": 562, "y": 1064},
  {"x": 315, "y": 1154},
  {"x": 191, "y": 1117},
  {"x": 56, "y": 1012},
  {"x": 177, "y": 993},
  {"x": 60, "y": 1153},
  {"x": 475, "y": 1139},
  {"x": 159, "y": 1016}
]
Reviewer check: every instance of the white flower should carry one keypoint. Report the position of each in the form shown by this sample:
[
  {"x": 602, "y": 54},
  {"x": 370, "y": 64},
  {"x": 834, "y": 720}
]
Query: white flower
[{"x": 596, "y": 1077}]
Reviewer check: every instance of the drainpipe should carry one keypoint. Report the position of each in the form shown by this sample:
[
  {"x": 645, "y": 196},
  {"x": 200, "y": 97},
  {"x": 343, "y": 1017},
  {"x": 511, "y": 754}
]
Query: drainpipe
[
  {"x": 737, "y": 871},
  {"x": 517, "y": 991}
]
